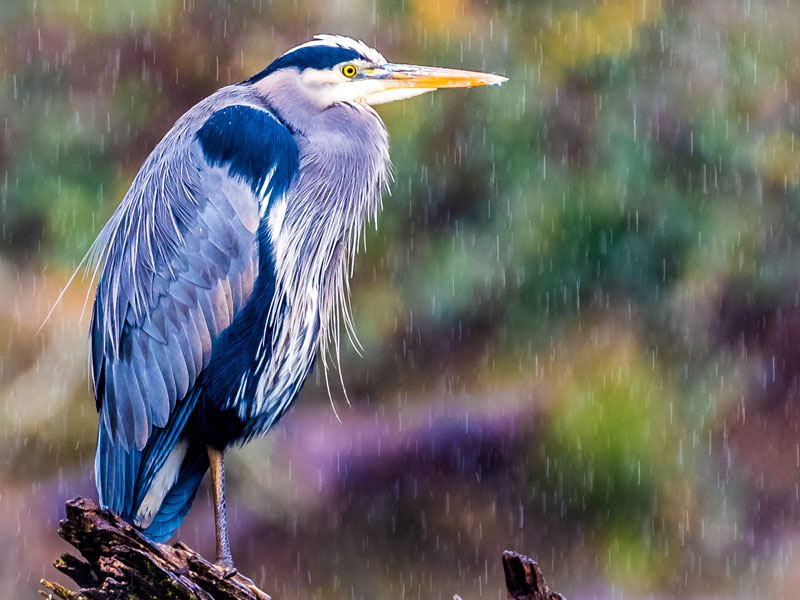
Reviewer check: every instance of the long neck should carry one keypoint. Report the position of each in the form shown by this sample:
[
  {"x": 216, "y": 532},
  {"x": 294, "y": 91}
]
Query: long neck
[
  {"x": 315, "y": 230},
  {"x": 284, "y": 90}
]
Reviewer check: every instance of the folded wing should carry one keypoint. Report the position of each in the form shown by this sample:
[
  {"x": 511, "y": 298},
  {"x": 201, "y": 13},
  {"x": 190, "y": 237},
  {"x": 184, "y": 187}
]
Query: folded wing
[{"x": 181, "y": 256}]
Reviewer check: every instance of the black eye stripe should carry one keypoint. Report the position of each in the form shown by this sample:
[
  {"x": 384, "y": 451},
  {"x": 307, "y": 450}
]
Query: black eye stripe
[{"x": 310, "y": 57}]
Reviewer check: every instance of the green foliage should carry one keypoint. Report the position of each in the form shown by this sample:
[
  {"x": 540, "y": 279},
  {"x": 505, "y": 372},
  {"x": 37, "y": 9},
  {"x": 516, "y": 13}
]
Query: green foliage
[{"x": 605, "y": 462}]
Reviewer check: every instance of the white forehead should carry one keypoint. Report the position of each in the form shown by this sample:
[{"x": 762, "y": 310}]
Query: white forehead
[{"x": 341, "y": 41}]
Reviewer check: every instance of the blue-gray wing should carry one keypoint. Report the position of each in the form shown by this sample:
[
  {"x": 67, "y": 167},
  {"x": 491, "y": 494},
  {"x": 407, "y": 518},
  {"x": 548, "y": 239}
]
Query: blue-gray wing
[{"x": 180, "y": 257}]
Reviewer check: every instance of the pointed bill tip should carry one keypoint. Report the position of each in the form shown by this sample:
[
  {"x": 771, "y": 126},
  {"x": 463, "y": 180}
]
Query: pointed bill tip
[{"x": 497, "y": 80}]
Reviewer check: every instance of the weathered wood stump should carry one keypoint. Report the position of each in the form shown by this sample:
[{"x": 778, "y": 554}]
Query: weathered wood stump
[
  {"x": 119, "y": 562},
  {"x": 524, "y": 579}
]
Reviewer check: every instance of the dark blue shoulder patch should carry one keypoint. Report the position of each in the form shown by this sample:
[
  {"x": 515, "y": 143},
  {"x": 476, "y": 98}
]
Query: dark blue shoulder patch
[
  {"x": 252, "y": 143},
  {"x": 309, "y": 57}
]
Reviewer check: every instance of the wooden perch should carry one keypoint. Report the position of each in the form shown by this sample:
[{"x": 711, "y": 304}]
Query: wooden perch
[
  {"x": 119, "y": 562},
  {"x": 524, "y": 579}
]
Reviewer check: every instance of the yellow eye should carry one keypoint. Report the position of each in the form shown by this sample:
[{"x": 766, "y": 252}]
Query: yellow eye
[{"x": 349, "y": 71}]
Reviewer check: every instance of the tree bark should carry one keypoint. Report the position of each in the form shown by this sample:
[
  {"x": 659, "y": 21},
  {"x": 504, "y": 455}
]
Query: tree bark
[
  {"x": 119, "y": 562},
  {"x": 524, "y": 579}
]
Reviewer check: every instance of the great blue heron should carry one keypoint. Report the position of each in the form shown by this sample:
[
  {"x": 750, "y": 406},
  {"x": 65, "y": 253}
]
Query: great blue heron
[{"x": 225, "y": 269}]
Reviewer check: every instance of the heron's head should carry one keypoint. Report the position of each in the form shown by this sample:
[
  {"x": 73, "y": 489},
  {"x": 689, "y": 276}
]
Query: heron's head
[{"x": 332, "y": 69}]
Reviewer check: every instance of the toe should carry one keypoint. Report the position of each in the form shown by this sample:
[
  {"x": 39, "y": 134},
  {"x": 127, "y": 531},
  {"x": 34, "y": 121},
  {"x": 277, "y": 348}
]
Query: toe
[{"x": 226, "y": 567}]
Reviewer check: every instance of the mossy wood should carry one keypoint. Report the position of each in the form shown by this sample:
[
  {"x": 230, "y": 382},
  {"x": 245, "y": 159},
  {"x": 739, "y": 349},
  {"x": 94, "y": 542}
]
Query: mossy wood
[{"x": 119, "y": 562}]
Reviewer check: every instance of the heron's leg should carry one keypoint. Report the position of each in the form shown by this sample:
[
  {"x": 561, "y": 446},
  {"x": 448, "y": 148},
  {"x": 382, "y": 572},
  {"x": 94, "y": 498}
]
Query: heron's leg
[{"x": 224, "y": 559}]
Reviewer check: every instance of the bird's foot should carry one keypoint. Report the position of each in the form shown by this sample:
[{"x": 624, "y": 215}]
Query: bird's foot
[
  {"x": 225, "y": 566},
  {"x": 228, "y": 571}
]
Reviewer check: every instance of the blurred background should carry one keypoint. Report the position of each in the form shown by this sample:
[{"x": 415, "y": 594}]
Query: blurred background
[{"x": 580, "y": 310}]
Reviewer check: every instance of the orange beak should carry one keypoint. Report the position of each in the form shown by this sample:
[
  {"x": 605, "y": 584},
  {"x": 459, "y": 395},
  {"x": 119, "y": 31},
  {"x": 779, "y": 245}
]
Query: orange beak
[{"x": 413, "y": 76}]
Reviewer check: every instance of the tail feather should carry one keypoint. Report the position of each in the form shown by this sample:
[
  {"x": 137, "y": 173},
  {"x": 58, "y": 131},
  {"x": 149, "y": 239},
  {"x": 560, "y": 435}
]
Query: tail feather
[
  {"x": 152, "y": 488},
  {"x": 180, "y": 497},
  {"x": 160, "y": 446},
  {"x": 115, "y": 471}
]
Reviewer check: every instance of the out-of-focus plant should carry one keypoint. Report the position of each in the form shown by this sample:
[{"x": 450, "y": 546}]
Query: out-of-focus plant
[{"x": 611, "y": 457}]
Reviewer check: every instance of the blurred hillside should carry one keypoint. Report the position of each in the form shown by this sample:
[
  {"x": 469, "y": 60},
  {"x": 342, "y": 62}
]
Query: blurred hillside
[{"x": 580, "y": 309}]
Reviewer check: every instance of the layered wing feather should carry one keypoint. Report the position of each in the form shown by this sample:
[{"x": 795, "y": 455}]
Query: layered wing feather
[{"x": 181, "y": 257}]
